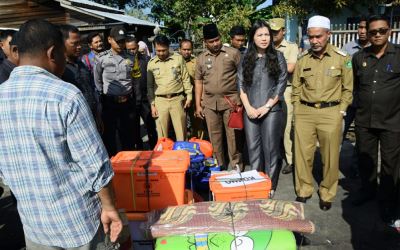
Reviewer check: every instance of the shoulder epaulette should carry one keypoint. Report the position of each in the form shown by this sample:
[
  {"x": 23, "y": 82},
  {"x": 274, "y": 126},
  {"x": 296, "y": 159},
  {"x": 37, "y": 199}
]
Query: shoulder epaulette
[
  {"x": 152, "y": 59},
  {"x": 106, "y": 52},
  {"x": 305, "y": 52},
  {"x": 340, "y": 52}
]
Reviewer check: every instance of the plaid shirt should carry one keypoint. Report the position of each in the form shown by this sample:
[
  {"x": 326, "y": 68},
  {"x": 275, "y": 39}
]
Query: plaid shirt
[{"x": 52, "y": 157}]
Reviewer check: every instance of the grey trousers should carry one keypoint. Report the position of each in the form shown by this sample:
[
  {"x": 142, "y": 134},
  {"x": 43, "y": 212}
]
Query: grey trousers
[
  {"x": 264, "y": 139},
  {"x": 97, "y": 243}
]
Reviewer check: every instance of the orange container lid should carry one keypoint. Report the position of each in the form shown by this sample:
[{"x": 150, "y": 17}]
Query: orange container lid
[
  {"x": 216, "y": 186},
  {"x": 159, "y": 161},
  {"x": 136, "y": 216}
]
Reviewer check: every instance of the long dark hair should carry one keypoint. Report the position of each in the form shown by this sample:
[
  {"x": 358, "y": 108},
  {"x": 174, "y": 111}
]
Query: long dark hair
[{"x": 271, "y": 56}]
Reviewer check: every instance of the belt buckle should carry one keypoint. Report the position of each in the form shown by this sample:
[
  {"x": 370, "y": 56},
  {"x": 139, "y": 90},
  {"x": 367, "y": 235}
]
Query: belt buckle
[
  {"x": 122, "y": 99},
  {"x": 317, "y": 105},
  {"x": 169, "y": 96}
]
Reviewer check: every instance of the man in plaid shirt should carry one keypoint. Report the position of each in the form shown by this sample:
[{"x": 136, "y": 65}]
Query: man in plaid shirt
[{"x": 51, "y": 154}]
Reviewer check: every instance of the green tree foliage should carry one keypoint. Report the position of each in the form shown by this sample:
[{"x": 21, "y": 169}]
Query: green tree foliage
[
  {"x": 138, "y": 13},
  {"x": 191, "y": 15},
  {"x": 303, "y": 8}
]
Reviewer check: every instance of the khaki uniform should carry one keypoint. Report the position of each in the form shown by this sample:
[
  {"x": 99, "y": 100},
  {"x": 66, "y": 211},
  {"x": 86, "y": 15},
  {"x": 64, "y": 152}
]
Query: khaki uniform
[
  {"x": 329, "y": 79},
  {"x": 196, "y": 124},
  {"x": 218, "y": 73},
  {"x": 167, "y": 83},
  {"x": 191, "y": 67},
  {"x": 290, "y": 52}
]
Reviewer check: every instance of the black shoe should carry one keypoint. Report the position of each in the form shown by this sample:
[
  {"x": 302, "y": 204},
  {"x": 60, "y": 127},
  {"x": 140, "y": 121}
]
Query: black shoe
[
  {"x": 287, "y": 169},
  {"x": 302, "y": 199},
  {"x": 325, "y": 205},
  {"x": 363, "y": 198},
  {"x": 301, "y": 240}
]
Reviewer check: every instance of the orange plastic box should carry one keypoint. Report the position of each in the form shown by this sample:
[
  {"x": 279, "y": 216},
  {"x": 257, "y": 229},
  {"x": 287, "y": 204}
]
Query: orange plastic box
[
  {"x": 259, "y": 190},
  {"x": 164, "y": 185}
]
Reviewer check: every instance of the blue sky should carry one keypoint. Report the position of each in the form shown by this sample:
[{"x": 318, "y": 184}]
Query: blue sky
[{"x": 265, "y": 4}]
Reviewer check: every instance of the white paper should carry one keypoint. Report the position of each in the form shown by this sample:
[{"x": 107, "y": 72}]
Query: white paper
[{"x": 238, "y": 180}]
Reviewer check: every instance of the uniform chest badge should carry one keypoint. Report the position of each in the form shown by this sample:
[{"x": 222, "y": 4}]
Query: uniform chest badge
[
  {"x": 364, "y": 64},
  {"x": 208, "y": 63}
]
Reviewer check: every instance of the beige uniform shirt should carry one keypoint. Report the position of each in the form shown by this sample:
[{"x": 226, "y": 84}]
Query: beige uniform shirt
[
  {"x": 323, "y": 80},
  {"x": 168, "y": 77},
  {"x": 218, "y": 73},
  {"x": 191, "y": 67},
  {"x": 290, "y": 52}
]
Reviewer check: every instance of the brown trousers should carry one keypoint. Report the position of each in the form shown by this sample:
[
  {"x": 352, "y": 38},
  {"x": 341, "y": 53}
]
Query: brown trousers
[
  {"x": 217, "y": 123},
  {"x": 324, "y": 125}
]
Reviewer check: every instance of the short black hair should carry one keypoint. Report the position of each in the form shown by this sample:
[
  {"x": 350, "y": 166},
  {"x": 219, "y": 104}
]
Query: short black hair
[
  {"x": 66, "y": 29},
  {"x": 37, "y": 35},
  {"x": 130, "y": 39},
  {"x": 14, "y": 39},
  {"x": 162, "y": 40},
  {"x": 378, "y": 18},
  {"x": 89, "y": 38},
  {"x": 237, "y": 31},
  {"x": 4, "y": 34},
  {"x": 185, "y": 41},
  {"x": 363, "y": 18}
]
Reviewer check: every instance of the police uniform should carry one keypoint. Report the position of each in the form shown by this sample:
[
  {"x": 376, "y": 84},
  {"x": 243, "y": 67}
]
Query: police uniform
[
  {"x": 322, "y": 90},
  {"x": 113, "y": 80},
  {"x": 168, "y": 82},
  {"x": 218, "y": 74}
]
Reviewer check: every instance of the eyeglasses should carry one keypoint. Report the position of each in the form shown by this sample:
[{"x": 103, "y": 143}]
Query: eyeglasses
[{"x": 381, "y": 31}]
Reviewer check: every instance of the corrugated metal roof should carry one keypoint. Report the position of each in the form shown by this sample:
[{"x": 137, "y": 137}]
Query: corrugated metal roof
[
  {"x": 90, "y": 3},
  {"x": 120, "y": 17}
]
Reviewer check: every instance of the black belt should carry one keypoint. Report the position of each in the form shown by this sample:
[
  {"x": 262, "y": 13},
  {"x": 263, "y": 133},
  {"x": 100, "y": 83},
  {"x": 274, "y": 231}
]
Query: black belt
[
  {"x": 170, "y": 95},
  {"x": 320, "y": 105},
  {"x": 118, "y": 98}
]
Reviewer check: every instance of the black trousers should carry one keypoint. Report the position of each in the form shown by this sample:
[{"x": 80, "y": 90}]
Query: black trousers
[
  {"x": 368, "y": 142},
  {"x": 143, "y": 110},
  {"x": 348, "y": 119},
  {"x": 119, "y": 125}
]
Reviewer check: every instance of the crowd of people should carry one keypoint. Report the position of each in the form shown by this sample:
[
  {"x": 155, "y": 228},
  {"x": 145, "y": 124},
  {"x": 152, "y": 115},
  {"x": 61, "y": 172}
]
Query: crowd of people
[{"x": 63, "y": 114}]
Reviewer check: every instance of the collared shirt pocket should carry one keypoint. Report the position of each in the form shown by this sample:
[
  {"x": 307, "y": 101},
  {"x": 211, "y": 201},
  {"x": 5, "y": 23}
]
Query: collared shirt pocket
[
  {"x": 307, "y": 78},
  {"x": 176, "y": 72},
  {"x": 333, "y": 74},
  {"x": 110, "y": 71},
  {"x": 156, "y": 73},
  {"x": 228, "y": 64}
]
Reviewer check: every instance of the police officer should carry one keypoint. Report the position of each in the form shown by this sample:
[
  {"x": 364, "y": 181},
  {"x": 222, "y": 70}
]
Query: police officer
[
  {"x": 290, "y": 52},
  {"x": 215, "y": 77},
  {"x": 168, "y": 89},
  {"x": 114, "y": 81},
  {"x": 322, "y": 90}
]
